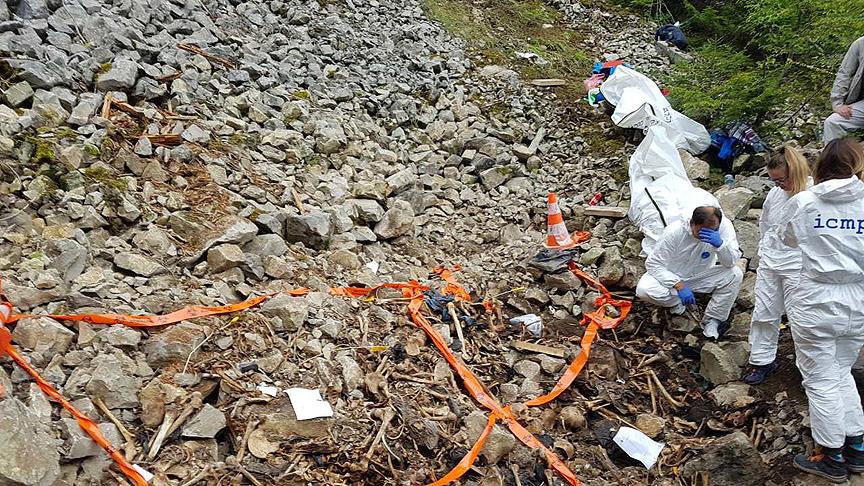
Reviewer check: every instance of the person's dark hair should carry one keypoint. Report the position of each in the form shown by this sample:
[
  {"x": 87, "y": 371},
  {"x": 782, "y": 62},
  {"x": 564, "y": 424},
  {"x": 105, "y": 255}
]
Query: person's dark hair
[
  {"x": 702, "y": 213},
  {"x": 841, "y": 159}
]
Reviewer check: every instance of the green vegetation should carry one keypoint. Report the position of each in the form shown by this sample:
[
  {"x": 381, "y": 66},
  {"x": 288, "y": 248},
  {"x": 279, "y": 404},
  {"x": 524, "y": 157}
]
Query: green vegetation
[
  {"x": 102, "y": 69},
  {"x": 758, "y": 55},
  {"x": 105, "y": 177},
  {"x": 497, "y": 30}
]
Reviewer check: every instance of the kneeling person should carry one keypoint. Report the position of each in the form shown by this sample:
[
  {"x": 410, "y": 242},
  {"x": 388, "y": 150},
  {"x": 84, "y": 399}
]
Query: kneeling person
[{"x": 698, "y": 255}]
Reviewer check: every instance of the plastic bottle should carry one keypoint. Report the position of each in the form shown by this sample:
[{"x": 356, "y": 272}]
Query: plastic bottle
[
  {"x": 729, "y": 180},
  {"x": 596, "y": 199}
]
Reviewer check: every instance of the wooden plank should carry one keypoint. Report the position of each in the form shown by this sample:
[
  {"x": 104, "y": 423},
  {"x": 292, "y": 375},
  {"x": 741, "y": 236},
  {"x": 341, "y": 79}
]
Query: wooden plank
[
  {"x": 548, "y": 82},
  {"x": 606, "y": 211},
  {"x": 538, "y": 348}
]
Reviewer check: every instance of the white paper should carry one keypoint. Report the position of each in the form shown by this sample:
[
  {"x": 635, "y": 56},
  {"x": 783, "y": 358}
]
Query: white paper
[
  {"x": 269, "y": 390},
  {"x": 373, "y": 266},
  {"x": 308, "y": 404},
  {"x": 143, "y": 472},
  {"x": 639, "y": 446}
]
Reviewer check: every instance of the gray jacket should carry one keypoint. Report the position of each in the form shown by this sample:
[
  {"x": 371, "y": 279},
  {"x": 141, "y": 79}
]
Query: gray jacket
[{"x": 849, "y": 84}]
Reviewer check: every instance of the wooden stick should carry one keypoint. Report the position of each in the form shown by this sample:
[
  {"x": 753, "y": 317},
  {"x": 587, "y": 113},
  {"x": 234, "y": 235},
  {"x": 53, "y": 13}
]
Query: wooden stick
[
  {"x": 653, "y": 395},
  {"x": 515, "y": 469},
  {"x": 210, "y": 57},
  {"x": 297, "y": 201},
  {"x": 194, "y": 404},
  {"x": 452, "y": 308},
  {"x": 538, "y": 348},
  {"x": 106, "y": 105}
]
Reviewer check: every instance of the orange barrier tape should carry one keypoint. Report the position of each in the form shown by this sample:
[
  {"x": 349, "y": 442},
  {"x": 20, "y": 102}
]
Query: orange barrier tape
[
  {"x": 468, "y": 461},
  {"x": 452, "y": 288},
  {"x": 83, "y": 421},
  {"x": 87, "y": 425},
  {"x": 187, "y": 313},
  {"x": 594, "y": 320},
  {"x": 580, "y": 236}
]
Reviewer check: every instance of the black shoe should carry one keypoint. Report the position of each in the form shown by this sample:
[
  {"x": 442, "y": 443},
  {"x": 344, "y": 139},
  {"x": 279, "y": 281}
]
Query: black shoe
[
  {"x": 723, "y": 328},
  {"x": 757, "y": 374},
  {"x": 853, "y": 457},
  {"x": 823, "y": 465}
]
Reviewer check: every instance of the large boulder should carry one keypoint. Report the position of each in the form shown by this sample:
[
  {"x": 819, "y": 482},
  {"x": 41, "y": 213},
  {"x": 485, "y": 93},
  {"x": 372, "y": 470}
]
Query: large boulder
[
  {"x": 735, "y": 202},
  {"x": 28, "y": 454},
  {"x": 397, "y": 221},
  {"x": 729, "y": 461}
]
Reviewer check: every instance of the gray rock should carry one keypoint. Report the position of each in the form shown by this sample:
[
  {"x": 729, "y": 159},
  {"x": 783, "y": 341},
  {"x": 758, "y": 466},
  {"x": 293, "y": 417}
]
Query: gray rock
[
  {"x": 29, "y": 454},
  {"x": 174, "y": 344},
  {"x": 401, "y": 181},
  {"x": 734, "y": 394},
  {"x": 376, "y": 189},
  {"x": 365, "y": 210},
  {"x": 79, "y": 445},
  {"x": 208, "y": 422},
  {"x": 138, "y": 264},
  {"x": 266, "y": 245},
  {"x": 329, "y": 137},
  {"x": 313, "y": 229},
  {"x": 345, "y": 259},
  {"x": 650, "y": 424},
  {"x": 121, "y": 76},
  {"x": 747, "y": 293},
  {"x": 527, "y": 368},
  {"x": 113, "y": 381},
  {"x": 41, "y": 74},
  {"x": 498, "y": 445},
  {"x": 697, "y": 169},
  {"x": 119, "y": 336},
  {"x": 495, "y": 176},
  {"x": 291, "y": 311},
  {"x": 196, "y": 134},
  {"x": 32, "y": 9},
  {"x": 562, "y": 281},
  {"x": 43, "y": 333},
  {"x": 591, "y": 256},
  {"x": 239, "y": 232},
  {"x": 611, "y": 267},
  {"x": 717, "y": 365},
  {"x": 144, "y": 147},
  {"x": 397, "y": 221},
  {"x": 70, "y": 259},
  {"x": 352, "y": 375},
  {"x": 731, "y": 460},
  {"x": 224, "y": 257},
  {"x": 85, "y": 108},
  {"x": 734, "y": 202},
  {"x": 748, "y": 237},
  {"x": 18, "y": 93}
]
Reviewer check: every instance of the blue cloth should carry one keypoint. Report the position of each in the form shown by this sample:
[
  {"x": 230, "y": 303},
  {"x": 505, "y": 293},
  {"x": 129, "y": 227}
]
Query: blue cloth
[
  {"x": 672, "y": 33},
  {"x": 438, "y": 304}
]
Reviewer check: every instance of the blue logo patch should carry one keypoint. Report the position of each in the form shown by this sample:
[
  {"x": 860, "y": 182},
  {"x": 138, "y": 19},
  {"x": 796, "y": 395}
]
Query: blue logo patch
[{"x": 705, "y": 255}]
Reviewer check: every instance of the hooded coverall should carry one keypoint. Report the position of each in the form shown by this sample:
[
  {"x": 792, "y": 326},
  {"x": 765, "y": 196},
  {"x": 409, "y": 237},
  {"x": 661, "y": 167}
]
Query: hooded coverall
[
  {"x": 826, "y": 310},
  {"x": 848, "y": 89},
  {"x": 680, "y": 257},
  {"x": 779, "y": 269}
]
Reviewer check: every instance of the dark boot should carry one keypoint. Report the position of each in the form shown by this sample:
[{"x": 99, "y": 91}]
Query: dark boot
[
  {"x": 853, "y": 454},
  {"x": 757, "y": 373},
  {"x": 828, "y": 464}
]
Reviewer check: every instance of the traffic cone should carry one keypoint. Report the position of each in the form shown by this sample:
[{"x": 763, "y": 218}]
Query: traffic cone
[{"x": 557, "y": 236}]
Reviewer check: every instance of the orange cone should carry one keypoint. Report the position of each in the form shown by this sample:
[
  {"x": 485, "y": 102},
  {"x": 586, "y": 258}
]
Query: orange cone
[{"x": 557, "y": 236}]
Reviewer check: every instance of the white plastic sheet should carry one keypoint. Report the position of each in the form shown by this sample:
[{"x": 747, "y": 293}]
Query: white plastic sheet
[
  {"x": 661, "y": 192},
  {"x": 308, "y": 404},
  {"x": 639, "y": 446},
  {"x": 640, "y": 104}
]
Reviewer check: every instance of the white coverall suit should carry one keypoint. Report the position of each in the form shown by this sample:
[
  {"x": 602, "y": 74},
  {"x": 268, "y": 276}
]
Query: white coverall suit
[
  {"x": 680, "y": 257},
  {"x": 826, "y": 309},
  {"x": 779, "y": 270}
]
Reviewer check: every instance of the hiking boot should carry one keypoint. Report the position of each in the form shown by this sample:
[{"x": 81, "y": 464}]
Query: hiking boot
[
  {"x": 853, "y": 454},
  {"x": 723, "y": 328},
  {"x": 829, "y": 465},
  {"x": 757, "y": 373}
]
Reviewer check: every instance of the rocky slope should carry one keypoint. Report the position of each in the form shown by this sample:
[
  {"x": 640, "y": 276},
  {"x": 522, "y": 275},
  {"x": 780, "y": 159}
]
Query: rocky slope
[{"x": 161, "y": 154}]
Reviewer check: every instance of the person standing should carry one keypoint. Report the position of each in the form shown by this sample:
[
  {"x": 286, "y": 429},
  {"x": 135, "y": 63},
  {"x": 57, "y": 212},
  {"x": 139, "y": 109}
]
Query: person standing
[
  {"x": 779, "y": 265},
  {"x": 847, "y": 95},
  {"x": 826, "y": 310}
]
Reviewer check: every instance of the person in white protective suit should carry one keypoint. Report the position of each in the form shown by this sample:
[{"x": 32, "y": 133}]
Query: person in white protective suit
[
  {"x": 826, "y": 309},
  {"x": 696, "y": 255},
  {"x": 779, "y": 265}
]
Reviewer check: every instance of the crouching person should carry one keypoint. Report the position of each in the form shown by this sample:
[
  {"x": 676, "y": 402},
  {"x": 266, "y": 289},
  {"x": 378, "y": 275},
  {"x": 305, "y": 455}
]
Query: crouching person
[
  {"x": 695, "y": 256},
  {"x": 825, "y": 309}
]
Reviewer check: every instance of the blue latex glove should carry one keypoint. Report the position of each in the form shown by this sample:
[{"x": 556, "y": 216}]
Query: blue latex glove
[
  {"x": 687, "y": 297},
  {"x": 712, "y": 237}
]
